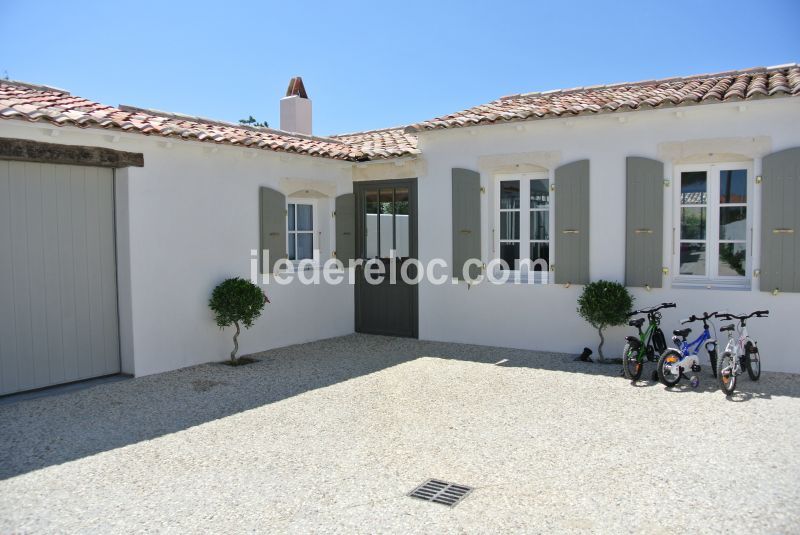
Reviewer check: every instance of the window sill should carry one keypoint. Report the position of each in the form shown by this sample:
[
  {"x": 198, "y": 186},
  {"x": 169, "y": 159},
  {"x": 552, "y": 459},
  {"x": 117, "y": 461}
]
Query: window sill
[
  {"x": 515, "y": 277},
  {"x": 711, "y": 284},
  {"x": 306, "y": 267},
  {"x": 309, "y": 269},
  {"x": 294, "y": 267}
]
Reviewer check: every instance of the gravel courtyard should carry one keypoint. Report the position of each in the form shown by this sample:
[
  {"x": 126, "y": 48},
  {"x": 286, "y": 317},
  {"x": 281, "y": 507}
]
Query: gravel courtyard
[{"x": 330, "y": 436}]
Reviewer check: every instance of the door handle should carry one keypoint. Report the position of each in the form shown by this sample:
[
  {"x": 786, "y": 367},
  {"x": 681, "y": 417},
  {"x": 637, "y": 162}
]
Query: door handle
[
  {"x": 465, "y": 231},
  {"x": 643, "y": 231},
  {"x": 783, "y": 231},
  {"x": 571, "y": 231},
  {"x": 274, "y": 233}
]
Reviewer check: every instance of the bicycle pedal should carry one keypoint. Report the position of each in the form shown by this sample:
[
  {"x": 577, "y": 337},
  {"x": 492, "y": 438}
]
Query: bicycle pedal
[{"x": 696, "y": 368}]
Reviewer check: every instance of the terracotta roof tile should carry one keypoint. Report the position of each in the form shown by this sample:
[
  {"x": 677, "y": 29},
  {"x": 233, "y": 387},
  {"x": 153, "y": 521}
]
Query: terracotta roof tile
[
  {"x": 29, "y": 102},
  {"x": 759, "y": 82},
  {"x": 386, "y": 143}
]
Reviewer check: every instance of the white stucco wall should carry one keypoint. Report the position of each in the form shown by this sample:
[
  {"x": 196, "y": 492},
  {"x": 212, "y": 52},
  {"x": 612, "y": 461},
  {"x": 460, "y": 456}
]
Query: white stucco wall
[
  {"x": 188, "y": 219},
  {"x": 544, "y": 317}
]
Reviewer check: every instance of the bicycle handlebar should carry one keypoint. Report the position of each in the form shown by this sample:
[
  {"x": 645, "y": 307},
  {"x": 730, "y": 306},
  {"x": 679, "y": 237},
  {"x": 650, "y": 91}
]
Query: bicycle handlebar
[
  {"x": 651, "y": 309},
  {"x": 742, "y": 317},
  {"x": 705, "y": 317}
]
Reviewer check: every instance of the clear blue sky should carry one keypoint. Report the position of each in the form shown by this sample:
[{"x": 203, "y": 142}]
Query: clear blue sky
[{"x": 375, "y": 64}]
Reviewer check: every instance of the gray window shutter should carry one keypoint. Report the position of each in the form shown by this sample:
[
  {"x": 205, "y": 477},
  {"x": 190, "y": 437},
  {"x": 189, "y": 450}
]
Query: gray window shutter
[
  {"x": 572, "y": 223},
  {"x": 272, "y": 210},
  {"x": 346, "y": 227},
  {"x": 644, "y": 234},
  {"x": 780, "y": 221},
  {"x": 466, "y": 220}
]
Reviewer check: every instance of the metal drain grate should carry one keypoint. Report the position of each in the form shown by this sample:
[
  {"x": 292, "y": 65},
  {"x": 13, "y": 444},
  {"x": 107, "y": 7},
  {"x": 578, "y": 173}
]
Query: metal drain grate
[{"x": 442, "y": 492}]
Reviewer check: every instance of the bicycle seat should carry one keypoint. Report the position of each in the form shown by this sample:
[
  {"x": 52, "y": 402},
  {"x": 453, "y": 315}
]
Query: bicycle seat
[
  {"x": 726, "y": 328},
  {"x": 683, "y": 333},
  {"x": 636, "y": 323}
]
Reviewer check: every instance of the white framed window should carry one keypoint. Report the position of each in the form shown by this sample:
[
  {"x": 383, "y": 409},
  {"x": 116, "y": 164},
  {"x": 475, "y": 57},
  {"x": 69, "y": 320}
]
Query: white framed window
[
  {"x": 522, "y": 223},
  {"x": 713, "y": 230},
  {"x": 301, "y": 229}
]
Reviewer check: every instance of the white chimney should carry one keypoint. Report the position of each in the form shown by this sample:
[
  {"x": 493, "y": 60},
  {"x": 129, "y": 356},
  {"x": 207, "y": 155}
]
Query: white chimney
[{"x": 296, "y": 108}]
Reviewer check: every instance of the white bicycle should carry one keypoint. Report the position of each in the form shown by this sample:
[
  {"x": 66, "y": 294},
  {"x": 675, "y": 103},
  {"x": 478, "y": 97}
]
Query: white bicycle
[{"x": 740, "y": 354}]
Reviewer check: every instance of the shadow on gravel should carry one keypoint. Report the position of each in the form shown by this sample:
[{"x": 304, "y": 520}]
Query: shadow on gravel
[
  {"x": 768, "y": 386},
  {"x": 61, "y": 428}
]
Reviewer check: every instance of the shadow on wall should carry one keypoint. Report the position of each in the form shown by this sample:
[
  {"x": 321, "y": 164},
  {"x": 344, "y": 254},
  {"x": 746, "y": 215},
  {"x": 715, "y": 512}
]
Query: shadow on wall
[{"x": 62, "y": 428}]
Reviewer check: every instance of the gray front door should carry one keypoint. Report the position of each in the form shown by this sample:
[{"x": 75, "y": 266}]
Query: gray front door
[{"x": 386, "y": 226}]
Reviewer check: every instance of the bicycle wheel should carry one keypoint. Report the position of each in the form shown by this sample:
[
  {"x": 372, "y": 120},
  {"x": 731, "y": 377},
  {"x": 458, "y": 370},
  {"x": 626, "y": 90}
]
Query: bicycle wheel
[
  {"x": 726, "y": 373},
  {"x": 666, "y": 372},
  {"x": 631, "y": 366},
  {"x": 753, "y": 362}
]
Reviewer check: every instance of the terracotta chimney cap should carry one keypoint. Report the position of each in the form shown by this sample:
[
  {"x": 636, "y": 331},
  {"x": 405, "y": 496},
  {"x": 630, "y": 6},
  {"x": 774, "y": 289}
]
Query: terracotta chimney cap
[{"x": 296, "y": 88}]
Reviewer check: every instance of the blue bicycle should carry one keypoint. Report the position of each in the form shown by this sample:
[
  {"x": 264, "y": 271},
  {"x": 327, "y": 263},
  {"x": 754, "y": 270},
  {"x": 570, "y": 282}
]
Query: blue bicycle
[{"x": 676, "y": 361}]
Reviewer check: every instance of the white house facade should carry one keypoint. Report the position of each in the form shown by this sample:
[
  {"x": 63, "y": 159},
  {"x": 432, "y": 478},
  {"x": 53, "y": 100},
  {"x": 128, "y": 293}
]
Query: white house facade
[
  {"x": 726, "y": 136},
  {"x": 116, "y": 222}
]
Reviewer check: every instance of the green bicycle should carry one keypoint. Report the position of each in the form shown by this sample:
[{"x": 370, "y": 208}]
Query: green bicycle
[{"x": 648, "y": 345}]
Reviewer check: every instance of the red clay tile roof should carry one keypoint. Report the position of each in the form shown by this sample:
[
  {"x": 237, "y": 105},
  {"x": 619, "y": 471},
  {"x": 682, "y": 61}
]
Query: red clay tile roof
[
  {"x": 46, "y": 104},
  {"x": 384, "y": 143},
  {"x": 38, "y": 103},
  {"x": 749, "y": 84}
]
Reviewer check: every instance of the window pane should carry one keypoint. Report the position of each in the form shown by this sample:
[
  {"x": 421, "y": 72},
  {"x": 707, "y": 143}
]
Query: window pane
[
  {"x": 733, "y": 186},
  {"x": 540, "y": 225},
  {"x": 509, "y": 194},
  {"x": 372, "y": 201},
  {"x": 401, "y": 201},
  {"x": 509, "y": 225},
  {"x": 540, "y": 194},
  {"x": 510, "y": 253},
  {"x": 387, "y": 235},
  {"x": 731, "y": 259},
  {"x": 386, "y": 222},
  {"x": 371, "y": 223},
  {"x": 305, "y": 245},
  {"x": 290, "y": 217},
  {"x": 401, "y": 222},
  {"x": 304, "y": 217},
  {"x": 693, "y": 259},
  {"x": 733, "y": 223},
  {"x": 693, "y": 223},
  {"x": 386, "y": 201},
  {"x": 540, "y": 250},
  {"x": 693, "y": 187},
  {"x": 292, "y": 251}
]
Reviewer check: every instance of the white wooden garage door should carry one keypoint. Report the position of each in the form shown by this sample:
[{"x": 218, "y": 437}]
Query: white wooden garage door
[{"x": 58, "y": 287}]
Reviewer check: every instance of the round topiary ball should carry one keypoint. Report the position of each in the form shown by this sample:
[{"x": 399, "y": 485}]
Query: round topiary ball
[
  {"x": 604, "y": 304},
  {"x": 237, "y": 302}
]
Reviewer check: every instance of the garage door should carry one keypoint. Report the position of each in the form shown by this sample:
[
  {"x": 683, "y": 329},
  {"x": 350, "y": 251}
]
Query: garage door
[{"x": 58, "y": 288}]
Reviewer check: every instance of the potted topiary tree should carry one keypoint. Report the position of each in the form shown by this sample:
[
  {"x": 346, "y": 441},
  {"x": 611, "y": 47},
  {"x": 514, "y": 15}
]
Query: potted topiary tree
[
  {"x": 604, "y": 304},
  {"x": 237, "y": 302}
]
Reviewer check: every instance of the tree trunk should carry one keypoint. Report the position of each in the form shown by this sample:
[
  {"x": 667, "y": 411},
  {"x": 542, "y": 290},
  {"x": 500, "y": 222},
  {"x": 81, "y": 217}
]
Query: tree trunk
[
  {"x": 600, "y": 357},
  {"x": 235, "y": 342}
]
